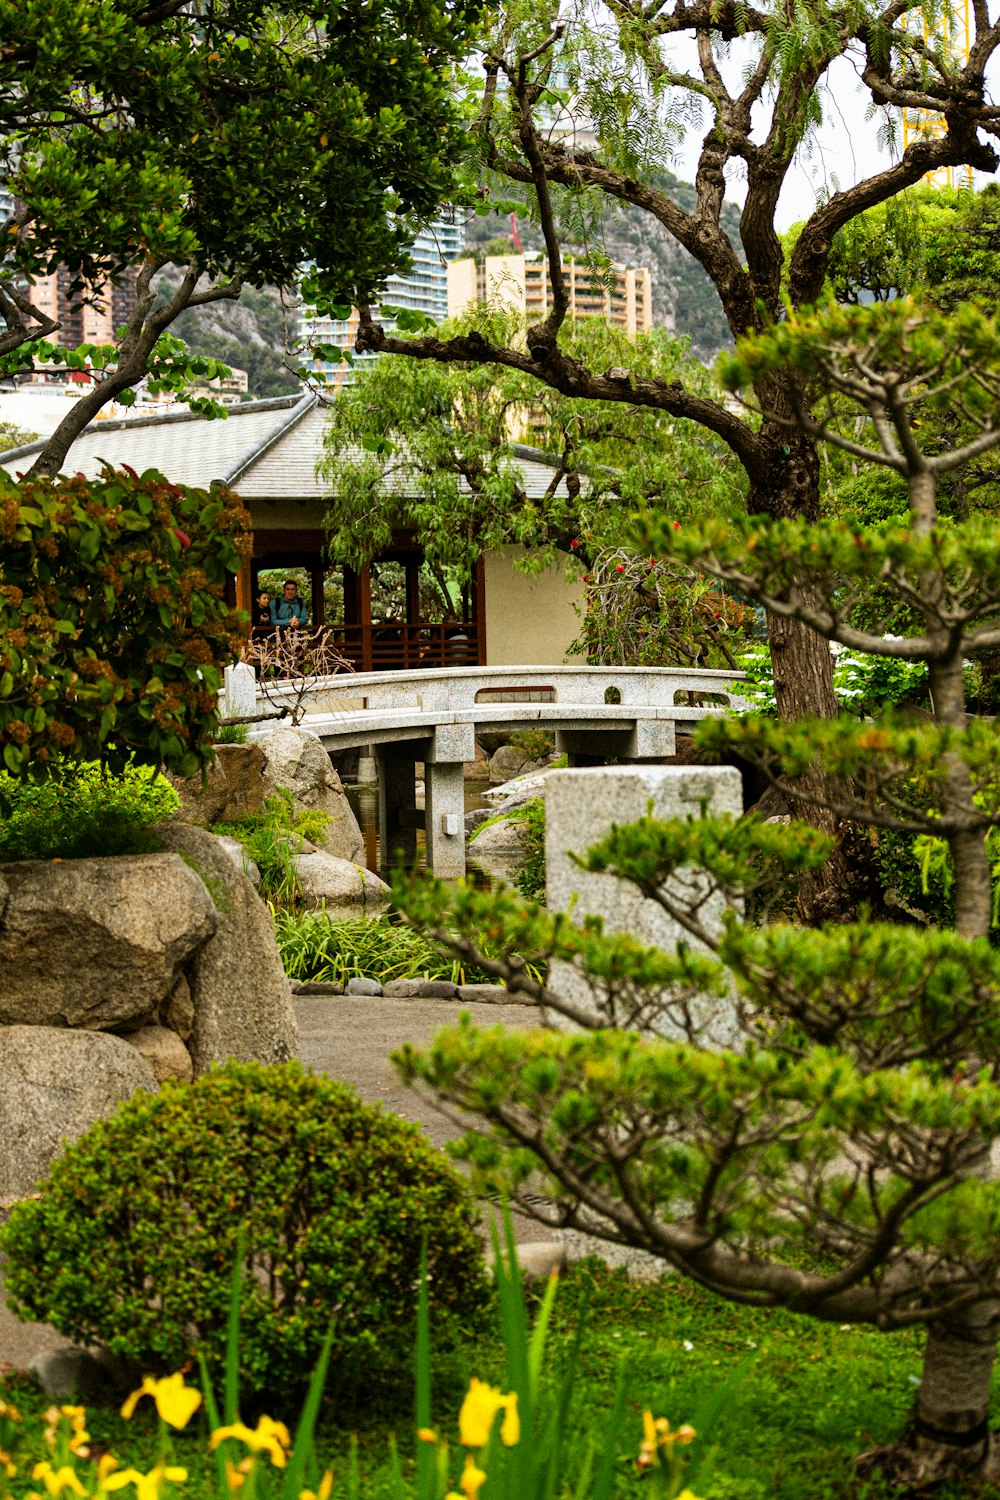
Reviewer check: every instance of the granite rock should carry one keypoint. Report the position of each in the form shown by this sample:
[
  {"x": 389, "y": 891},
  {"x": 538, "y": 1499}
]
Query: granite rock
[
  {"x": 239, "y": 991},
  {"x": 363, "y": 987},
  {"x": 98, "y": 943},
  {"x": 420, "y": 989},
  {"x": 327, "y": 881},
  {"x": 164, "y": 1051},
  {"x": 54, "y": 1084},
  {"x": 296, "y": 761}
]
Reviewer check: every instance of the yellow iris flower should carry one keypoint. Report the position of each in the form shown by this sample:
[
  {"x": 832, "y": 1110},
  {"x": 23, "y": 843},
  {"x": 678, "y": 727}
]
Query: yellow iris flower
[
  {"x": 147, "y": 1486},
  {"x": 478, "y": 1411},
  {"x": 175, "y": 1402},
  {"x": 56, "y": 1481},
  {"x": 270, "y": 1437},
  {"x": 323, "y": 1493},
  {"x": 472, "y": 1479}
]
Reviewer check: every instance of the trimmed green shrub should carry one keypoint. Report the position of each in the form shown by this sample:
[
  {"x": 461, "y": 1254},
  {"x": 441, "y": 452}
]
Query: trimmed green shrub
[
  {"x": 133, "y": 1239},
  {"x": 83, "y": 812}
]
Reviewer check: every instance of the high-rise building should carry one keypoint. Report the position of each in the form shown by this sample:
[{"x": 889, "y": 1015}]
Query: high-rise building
[
  {"x": 424, "y": 289},
  {"x": 522, "y": 282},
  {"x": 97, "y": 321}
]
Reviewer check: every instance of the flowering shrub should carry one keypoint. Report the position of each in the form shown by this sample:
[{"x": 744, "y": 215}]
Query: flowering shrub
[
  {"x": 132, "y": 1239},
  {"x": 114, "y": 625},
  {"x": 865, "y": 685},
  {"x": 641, "y": 612}
]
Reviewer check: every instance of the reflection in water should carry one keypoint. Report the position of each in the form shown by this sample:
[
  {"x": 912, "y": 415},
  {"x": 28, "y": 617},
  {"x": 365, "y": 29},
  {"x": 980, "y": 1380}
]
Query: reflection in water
[{"x": 364, "y": 800}]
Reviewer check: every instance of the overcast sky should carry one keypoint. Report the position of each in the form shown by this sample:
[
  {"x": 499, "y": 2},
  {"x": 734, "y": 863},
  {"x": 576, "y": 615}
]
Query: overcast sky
[{"x": 843, "y": 151}]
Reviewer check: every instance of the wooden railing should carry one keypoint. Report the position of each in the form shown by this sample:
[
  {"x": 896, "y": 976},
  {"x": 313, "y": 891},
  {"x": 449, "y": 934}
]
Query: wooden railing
[{"x": 408, "y": 648}]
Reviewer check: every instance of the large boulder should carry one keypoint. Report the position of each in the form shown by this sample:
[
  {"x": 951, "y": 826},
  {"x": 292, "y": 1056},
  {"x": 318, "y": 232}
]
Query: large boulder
[
  {"x": 296, "y": 761},
  {"x": 55, "y": 1084},
  {"x": 98, "y": 944},
  {"x": 238, "y": 989},
  {"x": 233, "y": 788},
  {"x": 506, "y": 837},
  {"x": 327, "y": 881}
]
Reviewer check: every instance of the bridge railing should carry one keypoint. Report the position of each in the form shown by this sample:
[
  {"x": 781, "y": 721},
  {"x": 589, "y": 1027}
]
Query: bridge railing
[{"x": 452, "y": 689}]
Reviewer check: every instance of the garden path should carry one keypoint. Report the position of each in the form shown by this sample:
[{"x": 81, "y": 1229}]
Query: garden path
[{"x": 351, "y": 1038}]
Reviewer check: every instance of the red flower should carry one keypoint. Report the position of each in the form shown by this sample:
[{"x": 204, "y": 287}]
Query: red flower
[
  {"x": 677, "y": 525},
  {"x": 619, "y": 567},
  {"x": 574, "y": 542}
]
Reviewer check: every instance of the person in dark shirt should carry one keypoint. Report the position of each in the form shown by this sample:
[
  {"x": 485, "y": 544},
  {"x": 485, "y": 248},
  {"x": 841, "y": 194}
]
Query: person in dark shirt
[
  {"x": 262, "y": 623},
  {"x": 289, "y": 612}
]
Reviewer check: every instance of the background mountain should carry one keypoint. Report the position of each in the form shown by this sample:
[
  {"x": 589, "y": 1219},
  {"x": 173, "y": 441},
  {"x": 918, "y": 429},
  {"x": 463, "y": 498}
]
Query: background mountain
[
  {"x": 254, "y": 332},
  {"x": 251, "y": 334},
  {"x": 633, "y": 237}
]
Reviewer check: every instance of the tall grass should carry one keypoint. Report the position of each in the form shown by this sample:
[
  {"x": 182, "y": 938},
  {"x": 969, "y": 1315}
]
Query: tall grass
[{"x": 317, "y": 947}]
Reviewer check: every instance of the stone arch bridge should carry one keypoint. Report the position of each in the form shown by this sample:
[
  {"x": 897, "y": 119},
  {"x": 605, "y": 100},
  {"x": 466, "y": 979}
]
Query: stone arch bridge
[{"x": 432, "y": 717}]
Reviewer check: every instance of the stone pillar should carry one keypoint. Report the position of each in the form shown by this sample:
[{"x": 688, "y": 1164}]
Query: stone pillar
[
  {"x": 367, "y": 769},
  {"x": 444, "y": 801},
  {"x": 397, "y": 816},
  {"x": 239, "y": 692},
  {"x": 444, "y": 798},
  {"x": 580, "y": 808}
]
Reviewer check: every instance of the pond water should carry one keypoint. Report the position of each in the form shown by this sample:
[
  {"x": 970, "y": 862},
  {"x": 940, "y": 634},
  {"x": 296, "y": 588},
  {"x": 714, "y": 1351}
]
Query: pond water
[{"x": 364, "y": 801}]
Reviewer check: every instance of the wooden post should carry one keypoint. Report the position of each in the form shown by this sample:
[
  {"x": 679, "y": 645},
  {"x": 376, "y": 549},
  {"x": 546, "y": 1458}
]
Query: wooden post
[
  {"x": 244, "y": 597},
  {"x": 365, "y": 616},
  {"x": 318, "y": 602},
  {"x": 479, "y": 609}
]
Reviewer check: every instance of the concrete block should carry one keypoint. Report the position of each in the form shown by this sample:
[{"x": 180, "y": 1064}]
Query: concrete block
[
  {"x": 580, "y": 809},
  {"x": 240, "y": 691}
]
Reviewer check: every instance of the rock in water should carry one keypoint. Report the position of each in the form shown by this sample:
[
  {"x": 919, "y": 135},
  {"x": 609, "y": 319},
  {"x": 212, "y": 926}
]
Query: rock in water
[
  {"x": 97, "y": 943},
  {"x": 239, "y": 992},
  {"x": 55, "y": 1084}
]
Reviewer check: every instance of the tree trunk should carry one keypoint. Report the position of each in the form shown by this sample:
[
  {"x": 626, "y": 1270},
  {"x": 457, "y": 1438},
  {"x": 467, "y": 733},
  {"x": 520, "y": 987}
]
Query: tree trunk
[
  {"x": 948, "y": 1434},
  {"x": 802, "y": 665},
  {"x": 973, "y": 882}
]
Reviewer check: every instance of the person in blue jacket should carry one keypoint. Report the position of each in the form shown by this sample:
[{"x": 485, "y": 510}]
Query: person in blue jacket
[{"x": 289, "y": 612}]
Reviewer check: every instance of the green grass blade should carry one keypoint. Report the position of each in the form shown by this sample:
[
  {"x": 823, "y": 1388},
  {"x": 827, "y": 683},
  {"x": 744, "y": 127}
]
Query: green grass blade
[
  {"x": 604, "y": 1480},
  {"x": 304, "y": 1444},
  {"x": 557, "y": 1426},
  {"x": 582, "y": 1491},
  {"x": 539, "y": 1333},
  {"x": 231, "y": 1389},
  {"x": 425, "y": 1451},
  {"x": 353, "y": 1472},
  {"x": 214, "y": 1421}
]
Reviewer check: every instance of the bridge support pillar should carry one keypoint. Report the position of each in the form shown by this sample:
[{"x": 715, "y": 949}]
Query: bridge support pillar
[
  {"x": 648, "y": 739},
  {"x": 444, "y": 800},
  {"x": 397, "y": 815}
]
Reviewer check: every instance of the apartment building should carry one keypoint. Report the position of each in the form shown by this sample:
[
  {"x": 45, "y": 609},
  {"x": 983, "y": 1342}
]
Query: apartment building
[
  {"x": 56, "y": 297},
  {"x": 523, "y": 282},
  {"x": 424, "y": 289}
]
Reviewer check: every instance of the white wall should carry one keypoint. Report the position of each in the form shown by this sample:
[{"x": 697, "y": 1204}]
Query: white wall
[{"x": 529, "y": 620}]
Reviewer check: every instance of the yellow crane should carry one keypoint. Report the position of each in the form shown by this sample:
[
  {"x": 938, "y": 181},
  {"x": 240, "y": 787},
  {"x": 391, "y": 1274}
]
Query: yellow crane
[{"x": 951, "y": 34}]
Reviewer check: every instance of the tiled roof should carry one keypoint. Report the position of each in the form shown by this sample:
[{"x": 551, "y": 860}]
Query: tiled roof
[{"x": 264, "y": 449}]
